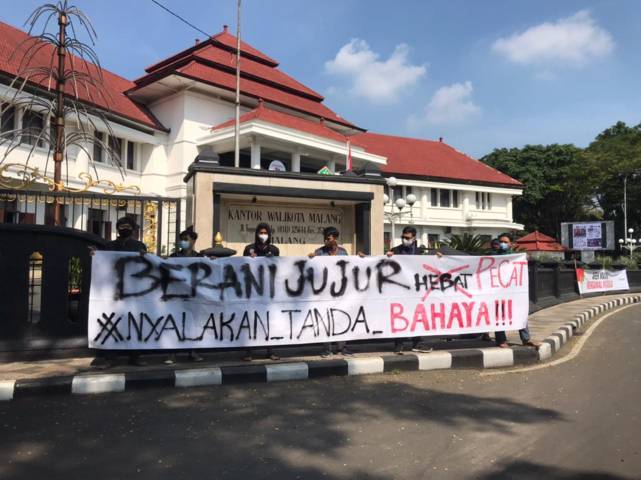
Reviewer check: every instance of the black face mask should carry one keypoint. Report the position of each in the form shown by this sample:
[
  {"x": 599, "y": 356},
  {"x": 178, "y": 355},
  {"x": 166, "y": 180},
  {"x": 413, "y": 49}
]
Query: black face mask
[{"x": 125, "y": 232}]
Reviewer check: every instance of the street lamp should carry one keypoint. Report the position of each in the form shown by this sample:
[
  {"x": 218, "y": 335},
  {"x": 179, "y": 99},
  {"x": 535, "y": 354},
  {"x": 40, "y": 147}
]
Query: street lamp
[
  {"x": 399, "y": 203},
  {"x": 629, "y": 243},
  {"x": 633, "y": 175}
]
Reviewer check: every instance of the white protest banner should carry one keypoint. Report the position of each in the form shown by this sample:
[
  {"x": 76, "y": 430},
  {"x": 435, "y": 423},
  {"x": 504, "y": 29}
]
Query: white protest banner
[
  {"x": 145, "y": 302},
  {"x": 590, "y": 281}
]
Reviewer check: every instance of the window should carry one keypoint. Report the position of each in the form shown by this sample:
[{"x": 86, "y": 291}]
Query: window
[
  {"x": 115, "y": 150},
  {"x": 408, "y": 190},
  {"x": 455, "y": 198},
  {"x": 131, "y": 155},
  {"x": 32, "y": 123},
  {"x": 8, "y": 118},
  {"x": 483, "y": 201},
  {"x": 433, "y": 239},
  {"x": 444, "y": 197},
  {"x": 97, "y": 147},
  {"x": 434, "y": 197}
]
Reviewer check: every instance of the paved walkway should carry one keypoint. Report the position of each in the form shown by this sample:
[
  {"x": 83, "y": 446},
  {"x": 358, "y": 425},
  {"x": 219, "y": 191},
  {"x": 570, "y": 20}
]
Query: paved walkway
[{"x": 542, "y": 324}]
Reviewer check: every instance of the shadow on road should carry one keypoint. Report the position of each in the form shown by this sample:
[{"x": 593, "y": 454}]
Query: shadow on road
[
  {"x": 331, "y": 429},
  {"x": 532, "y": 471}
]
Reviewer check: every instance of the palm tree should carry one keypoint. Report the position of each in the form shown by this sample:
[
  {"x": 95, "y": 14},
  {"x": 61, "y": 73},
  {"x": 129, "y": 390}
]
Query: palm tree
[{"x": 467, "y": 243}]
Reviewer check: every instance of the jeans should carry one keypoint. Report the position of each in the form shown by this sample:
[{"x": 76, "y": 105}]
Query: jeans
[{"x": 524, "y": 333}]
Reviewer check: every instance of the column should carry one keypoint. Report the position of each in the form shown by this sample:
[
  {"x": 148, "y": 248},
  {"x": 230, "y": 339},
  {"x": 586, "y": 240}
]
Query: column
[
  {"x": 255, "y": 154},
  {"x": 509, "y": 208},
  {"x": 296, "y": 161},
  {"x": 424, "y": 205},
  {"x": 466, "y": 205},
  {"x": 332, "y": 164}
]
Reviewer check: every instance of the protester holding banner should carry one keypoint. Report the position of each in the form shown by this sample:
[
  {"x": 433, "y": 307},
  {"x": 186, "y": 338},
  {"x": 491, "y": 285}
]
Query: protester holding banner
[
  {"x": 185, "y": 248},
  {"x": 262, "y": 247},
  {"x": 124, "y": 242},
  {"x": 505, "y": 248},
  {"x": 407, "y": 247},
  {"x": 331, "y": 248}
]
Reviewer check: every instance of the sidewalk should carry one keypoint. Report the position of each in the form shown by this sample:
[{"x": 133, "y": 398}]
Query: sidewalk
[{"x": 552, "y": 326}]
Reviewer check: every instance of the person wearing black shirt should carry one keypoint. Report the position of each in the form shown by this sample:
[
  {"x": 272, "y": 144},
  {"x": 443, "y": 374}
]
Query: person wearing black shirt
[
  {"x": 185, "y": 248},
  {"x": 262, "y": 247},
  {"x": 124, "y": 242},
  {"x": 407, "y": 247}
]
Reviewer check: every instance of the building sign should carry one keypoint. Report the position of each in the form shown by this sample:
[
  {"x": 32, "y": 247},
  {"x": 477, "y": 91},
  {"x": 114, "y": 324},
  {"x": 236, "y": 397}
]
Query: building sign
[
  {"x": 590, "y": 281},
  {"x": 290, "y": 224},
  {"x": 146, "y": 302}
]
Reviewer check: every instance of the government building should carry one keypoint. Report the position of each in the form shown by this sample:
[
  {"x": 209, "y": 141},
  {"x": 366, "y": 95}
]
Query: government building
[{"x": 174, "y": 131}]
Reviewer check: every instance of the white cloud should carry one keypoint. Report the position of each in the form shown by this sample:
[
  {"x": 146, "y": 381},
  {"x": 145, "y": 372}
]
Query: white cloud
[
  {"x": 573, "y": 40},
  {"x": 450, "y": 105},
  {"x": 380, "y": 81}
]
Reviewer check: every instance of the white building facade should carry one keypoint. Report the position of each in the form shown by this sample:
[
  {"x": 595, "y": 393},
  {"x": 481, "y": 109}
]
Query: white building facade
[{"x": 183, "y": 107}]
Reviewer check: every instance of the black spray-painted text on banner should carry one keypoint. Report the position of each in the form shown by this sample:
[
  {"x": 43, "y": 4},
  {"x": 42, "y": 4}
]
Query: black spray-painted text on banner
[{"x": 147, "y": 302}]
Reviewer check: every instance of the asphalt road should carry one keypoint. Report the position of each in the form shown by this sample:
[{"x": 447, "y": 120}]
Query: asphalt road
[{"x": 577, "y": 420}]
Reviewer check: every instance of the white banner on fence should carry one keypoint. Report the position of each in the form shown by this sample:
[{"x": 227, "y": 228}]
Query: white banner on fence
[
  {"x": 601, "y": 280},
  {"x": 145, "y": 302}
]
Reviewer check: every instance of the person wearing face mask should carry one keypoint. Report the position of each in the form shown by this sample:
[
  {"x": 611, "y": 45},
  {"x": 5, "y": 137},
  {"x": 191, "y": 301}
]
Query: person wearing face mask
[
  {"x": 124, "y": 242},
  {"x": 505, "y": 248},
  {"x": 262, "y": 247},
  {"x": 408, "y": 246},
  {"x": 185, "y": 248}
]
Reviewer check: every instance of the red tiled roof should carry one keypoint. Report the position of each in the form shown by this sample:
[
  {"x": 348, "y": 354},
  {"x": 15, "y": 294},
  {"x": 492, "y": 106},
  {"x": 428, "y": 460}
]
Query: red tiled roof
[
  {"x": 114, "y": 86},
  {"x": 286, "y": 120},
  {"x": 223, "y": 40},
  {"x": 538, "y": 242},
  {"x": 213, "y": 62},
  {"x": 258, "y": 70},
  {"x": 417, "y": 157},
  {"x": 219, "y": 78}
]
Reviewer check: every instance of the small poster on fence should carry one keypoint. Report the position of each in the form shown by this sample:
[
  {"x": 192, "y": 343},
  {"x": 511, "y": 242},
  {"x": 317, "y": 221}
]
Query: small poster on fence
[{"x": 591, "y": 281}]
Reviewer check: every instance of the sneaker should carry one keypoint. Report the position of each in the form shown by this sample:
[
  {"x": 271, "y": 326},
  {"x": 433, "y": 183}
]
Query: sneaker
[
  {"x": 326, "y": 353},
  {"x": 422, "y": 350},
  {"x": 347, "y": 352},
  {"x": 170, "y": 360},
  {"x": 247, "y": 358},
  {"x": 195, "y": 357}
]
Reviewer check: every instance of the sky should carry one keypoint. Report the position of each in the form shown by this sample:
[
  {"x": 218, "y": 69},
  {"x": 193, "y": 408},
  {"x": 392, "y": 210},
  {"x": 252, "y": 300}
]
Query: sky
[{"x": 481, "y": 74}]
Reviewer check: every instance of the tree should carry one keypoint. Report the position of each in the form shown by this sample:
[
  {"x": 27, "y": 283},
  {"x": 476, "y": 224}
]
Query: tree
[
  {"x": 59, "y": 77},
  {"x": 615, "y": 154},
  {"x": 467, "y": 243},
  {"x": 556, "y": 184}
]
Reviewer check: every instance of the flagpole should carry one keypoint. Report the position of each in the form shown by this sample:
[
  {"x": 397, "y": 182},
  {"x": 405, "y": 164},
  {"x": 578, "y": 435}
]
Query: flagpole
[{"x": 237, "y": 122}]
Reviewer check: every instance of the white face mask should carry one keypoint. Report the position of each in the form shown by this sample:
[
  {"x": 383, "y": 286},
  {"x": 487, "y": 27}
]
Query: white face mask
[
  {"x": 407, "y": 243},
  {"x": 263, "y": 237}
]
